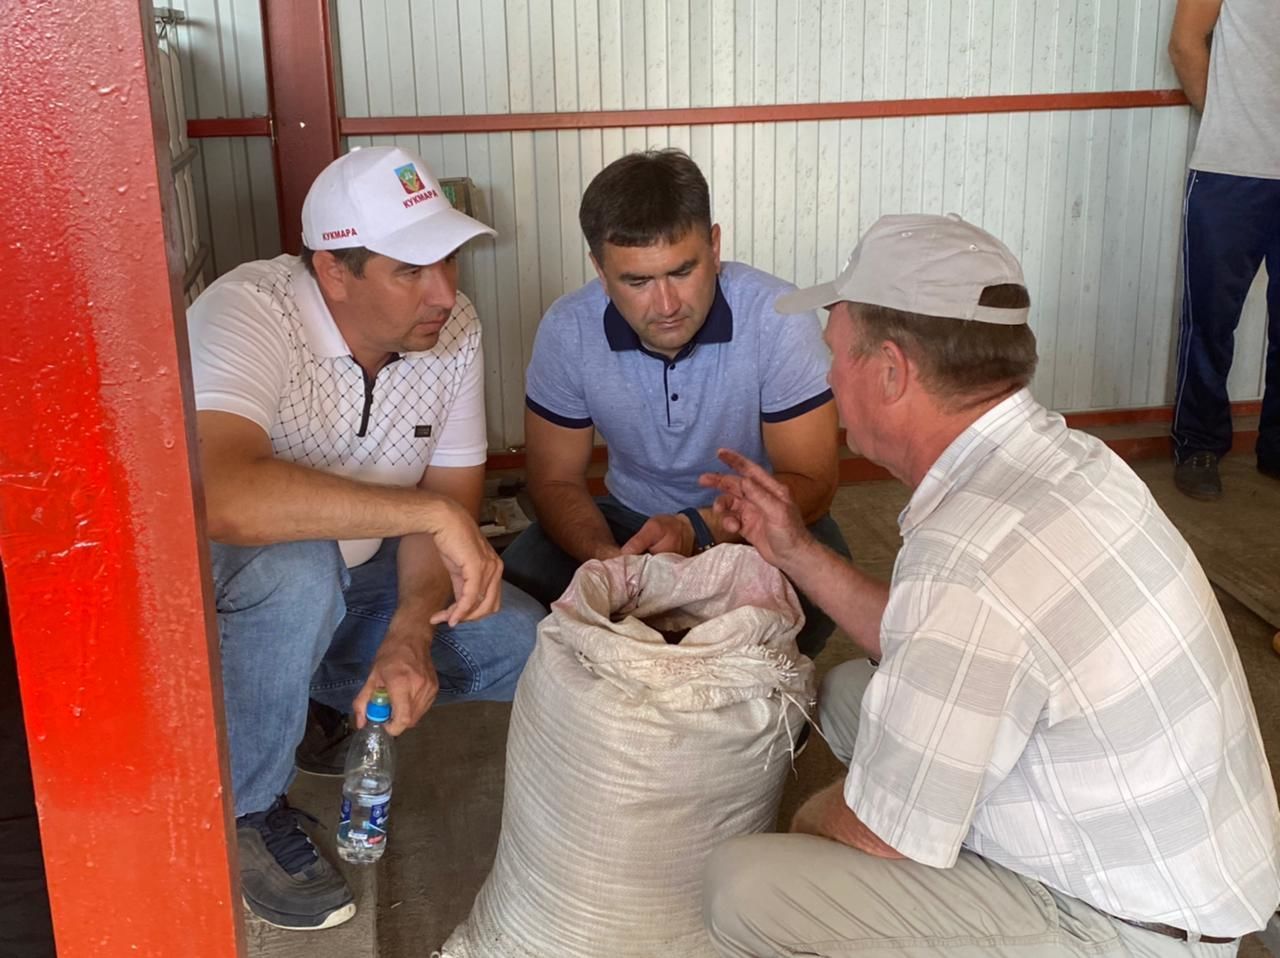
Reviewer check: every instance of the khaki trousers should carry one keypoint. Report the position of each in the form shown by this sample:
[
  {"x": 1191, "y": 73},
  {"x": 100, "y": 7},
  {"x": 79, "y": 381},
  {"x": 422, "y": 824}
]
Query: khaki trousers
[{"x": 789, "y": 895}]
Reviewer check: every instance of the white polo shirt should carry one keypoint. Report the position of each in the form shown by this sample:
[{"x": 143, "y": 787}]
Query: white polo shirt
[{"x": 264, "y": 346}]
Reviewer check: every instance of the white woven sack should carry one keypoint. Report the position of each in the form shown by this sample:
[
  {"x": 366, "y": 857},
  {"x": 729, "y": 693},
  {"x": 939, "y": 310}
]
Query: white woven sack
[{"x": 629, "y": 760}]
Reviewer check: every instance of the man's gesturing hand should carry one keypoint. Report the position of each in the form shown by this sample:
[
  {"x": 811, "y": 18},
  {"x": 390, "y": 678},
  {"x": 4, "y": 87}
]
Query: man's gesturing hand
[
  {"x": 756, "y": 506},
  {"x": 474, "y": 568}
]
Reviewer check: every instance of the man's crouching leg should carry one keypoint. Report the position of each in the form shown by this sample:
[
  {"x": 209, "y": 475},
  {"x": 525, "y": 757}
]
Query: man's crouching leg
[
  {"x": 278, "y": 607},
  {"x": 768, "y": 895},
  {"x": 537, "y": 567}
]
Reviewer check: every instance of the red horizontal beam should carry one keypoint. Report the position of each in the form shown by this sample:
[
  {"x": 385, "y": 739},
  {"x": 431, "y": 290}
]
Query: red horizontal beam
[
  {"x": 1119, "y": 417},
  {"x": 772, "y": 113},
  {"x": 1161, "y": 447},
  {"x": 857, "y": 469},
  {"x": 229, "y": 126}
]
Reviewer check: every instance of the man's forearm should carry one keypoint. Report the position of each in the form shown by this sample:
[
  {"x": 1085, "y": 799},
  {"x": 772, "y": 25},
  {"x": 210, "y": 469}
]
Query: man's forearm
[
  {"x": 826, "y": 815},
  {"x": 422, "y": 585},
  {"x": 1190, "y": 58},
  {"x": 854, "y": 600},
  {"x": 570, "y": 517},
  {"x": 271, "y": 501}
]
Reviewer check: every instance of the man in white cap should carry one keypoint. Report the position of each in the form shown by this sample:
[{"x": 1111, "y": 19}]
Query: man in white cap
[
  {"x": 342, "y": 441},
  {"x": 1056, "y": 753}
]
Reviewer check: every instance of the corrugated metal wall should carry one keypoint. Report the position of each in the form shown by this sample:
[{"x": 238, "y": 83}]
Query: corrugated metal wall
[
  {"x": 1090, "y": 199},
  {"x": 224, "y": 76}
]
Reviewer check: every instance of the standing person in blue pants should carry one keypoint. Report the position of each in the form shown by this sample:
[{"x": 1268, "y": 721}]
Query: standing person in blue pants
[
  {"x": 340, "y": 413},
  {"x": 1227, "y": 57},
  {"x": 669, "y": 353}
]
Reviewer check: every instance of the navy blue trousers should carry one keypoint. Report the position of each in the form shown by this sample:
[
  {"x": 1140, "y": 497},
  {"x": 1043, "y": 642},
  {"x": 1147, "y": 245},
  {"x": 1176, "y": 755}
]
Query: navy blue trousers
[{"x": 1232, "y": 227}]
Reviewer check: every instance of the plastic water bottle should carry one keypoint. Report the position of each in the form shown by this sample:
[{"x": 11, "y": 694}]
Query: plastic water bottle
[{"x": 366, "y": 786}]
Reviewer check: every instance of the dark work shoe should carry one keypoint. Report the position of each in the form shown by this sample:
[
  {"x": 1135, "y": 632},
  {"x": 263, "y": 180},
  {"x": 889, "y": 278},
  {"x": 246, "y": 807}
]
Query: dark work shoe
[
  {"x": 1197, "y": 477},
  {"x": 1269, "y": 468},
  {"x": 323, "y": 749},
  {"x": 284, "y": 880}
]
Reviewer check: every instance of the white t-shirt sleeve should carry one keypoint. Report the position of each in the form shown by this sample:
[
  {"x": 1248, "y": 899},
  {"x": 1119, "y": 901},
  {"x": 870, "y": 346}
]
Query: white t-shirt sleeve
[
  {"x": 464, "y": 440},
  {"x": 239, "y": 356}
]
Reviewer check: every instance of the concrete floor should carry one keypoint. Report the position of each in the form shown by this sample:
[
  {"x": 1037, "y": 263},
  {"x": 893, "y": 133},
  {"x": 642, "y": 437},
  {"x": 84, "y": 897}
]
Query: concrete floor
[{"x": 448, "y": 798}]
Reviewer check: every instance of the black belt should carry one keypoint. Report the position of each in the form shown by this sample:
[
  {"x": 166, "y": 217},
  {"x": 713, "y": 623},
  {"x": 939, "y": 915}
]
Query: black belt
[{"x": 1171, "y": 932}]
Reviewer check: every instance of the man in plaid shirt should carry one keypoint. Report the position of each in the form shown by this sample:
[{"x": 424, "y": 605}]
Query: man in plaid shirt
[{"x": 1056, "y": 753}]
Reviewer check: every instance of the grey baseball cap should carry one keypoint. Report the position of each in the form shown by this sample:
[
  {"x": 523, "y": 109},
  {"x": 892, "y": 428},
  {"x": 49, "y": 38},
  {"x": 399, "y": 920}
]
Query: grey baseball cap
[{"x": 921, "y": 263}]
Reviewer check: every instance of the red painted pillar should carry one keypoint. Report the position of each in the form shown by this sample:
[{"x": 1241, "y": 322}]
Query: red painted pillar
[
  {"x": 300, "y": 73},
  {"x": 99, "y": 524}
]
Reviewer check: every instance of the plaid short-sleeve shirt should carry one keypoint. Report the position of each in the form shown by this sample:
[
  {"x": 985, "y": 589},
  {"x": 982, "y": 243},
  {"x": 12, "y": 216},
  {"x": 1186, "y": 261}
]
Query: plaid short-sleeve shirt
[{"x": 1059, "y": 692}]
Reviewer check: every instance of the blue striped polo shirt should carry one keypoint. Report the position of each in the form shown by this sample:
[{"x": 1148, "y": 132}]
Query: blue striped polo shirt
[{"x": 663, "y": 419}]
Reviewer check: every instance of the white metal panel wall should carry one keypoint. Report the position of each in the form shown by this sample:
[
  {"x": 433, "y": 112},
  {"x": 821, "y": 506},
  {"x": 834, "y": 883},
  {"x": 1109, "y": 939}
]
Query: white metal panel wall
[
  {"x": 406, "y": 57},
  {"x": 1090, "y": 200},
  {"x": 224, "y": 76}
]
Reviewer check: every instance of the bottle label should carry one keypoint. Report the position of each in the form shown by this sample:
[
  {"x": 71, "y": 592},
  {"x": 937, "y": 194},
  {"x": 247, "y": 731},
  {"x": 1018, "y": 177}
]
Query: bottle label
[
  {"x": 370, "y": 828},
  {"x": 378, "y": 815}
]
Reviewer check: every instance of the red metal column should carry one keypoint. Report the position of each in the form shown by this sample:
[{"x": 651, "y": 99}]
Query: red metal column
[
  {"x": 300, "y": 73},
  {"x": 99, "y": 525}
]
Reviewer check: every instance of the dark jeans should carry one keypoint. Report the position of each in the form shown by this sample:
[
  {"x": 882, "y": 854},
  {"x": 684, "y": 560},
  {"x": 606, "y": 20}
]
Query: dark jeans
[
  {"x": 541, "y": 568},
  {"x": 1232, "y": 226},
  {"x": 25, "y": 925}
]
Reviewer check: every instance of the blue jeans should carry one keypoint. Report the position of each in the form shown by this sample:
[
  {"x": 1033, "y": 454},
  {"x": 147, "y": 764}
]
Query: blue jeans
[
  {"x": 1232, "y": 226},
  {"x": 294, "y": 623},
  {"x": 536, "y": 565}
]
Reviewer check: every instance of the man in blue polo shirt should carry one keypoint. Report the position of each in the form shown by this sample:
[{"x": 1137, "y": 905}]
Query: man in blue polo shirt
[{"x": 670, "y": 354}]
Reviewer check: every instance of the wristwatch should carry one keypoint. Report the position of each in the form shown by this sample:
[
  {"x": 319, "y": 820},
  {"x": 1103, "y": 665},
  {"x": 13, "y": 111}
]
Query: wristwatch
[{"x": 702, "y": 537}]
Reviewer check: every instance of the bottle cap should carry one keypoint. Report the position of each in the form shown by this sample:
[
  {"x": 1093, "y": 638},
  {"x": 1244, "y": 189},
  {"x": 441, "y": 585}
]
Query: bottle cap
[{"x": 379, "y": 707}]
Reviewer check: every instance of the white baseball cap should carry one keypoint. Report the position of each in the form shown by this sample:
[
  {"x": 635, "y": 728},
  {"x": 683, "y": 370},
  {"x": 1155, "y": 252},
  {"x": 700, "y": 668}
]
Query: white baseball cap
[
  {"x": 921, "y": 263},
  {"x": 384, "y": 199}
]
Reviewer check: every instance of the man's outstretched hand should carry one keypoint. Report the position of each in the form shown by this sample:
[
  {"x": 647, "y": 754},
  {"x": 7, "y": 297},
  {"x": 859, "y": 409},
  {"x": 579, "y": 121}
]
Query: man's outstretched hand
[
  {"x": 662, "y": 533},
  {"x": 756, "y": 506}
]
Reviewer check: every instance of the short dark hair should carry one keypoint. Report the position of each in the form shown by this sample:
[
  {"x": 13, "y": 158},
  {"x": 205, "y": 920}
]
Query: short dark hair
[
  {"x": 961, "y": 362},
  {"x": 645, "y": 198},
  {"x": 352, "y": 257}
]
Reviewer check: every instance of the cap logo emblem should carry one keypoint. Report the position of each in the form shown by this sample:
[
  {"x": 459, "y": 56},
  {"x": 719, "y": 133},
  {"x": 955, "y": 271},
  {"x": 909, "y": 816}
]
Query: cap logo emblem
[
  {"x": 409, "y": 178},
  {"x": 339, "y": 234}
]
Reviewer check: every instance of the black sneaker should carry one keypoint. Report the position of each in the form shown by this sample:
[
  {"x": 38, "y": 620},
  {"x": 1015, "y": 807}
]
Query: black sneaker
[
  {"x": 323, "y": 749},
  {"x": 1197, "y": 477},
  {"x": 284, "y": 880},
  {"x": 1269, "y": 468}
]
